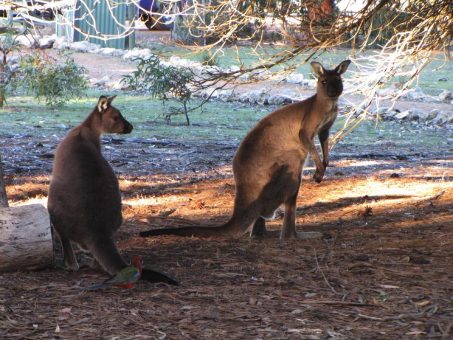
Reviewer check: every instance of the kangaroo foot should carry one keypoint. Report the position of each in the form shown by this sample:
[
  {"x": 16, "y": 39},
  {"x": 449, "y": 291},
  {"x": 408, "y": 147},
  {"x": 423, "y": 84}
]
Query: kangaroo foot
[{"x": 70, "y": 266}]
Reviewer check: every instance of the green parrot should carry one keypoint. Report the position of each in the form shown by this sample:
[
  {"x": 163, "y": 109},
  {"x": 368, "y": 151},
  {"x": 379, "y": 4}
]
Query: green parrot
[{"x": 125, "y": 278}]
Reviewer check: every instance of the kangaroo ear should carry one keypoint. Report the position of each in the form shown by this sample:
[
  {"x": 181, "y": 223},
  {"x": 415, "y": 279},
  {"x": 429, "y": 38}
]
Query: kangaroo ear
[
  {"x": 103, "y": 103},
  {"x": 317, "y": 68},
  {"x": 110, "y": 99},
  {"x": 340, "y": 69}
]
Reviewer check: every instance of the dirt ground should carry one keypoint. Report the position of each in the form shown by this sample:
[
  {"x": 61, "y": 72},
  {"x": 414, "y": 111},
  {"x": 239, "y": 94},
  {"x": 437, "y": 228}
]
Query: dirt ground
[{"x": 382, "y": 270}]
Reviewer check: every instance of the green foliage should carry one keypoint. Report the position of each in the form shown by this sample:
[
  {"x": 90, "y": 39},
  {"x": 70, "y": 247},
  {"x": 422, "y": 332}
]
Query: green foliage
[
  {"x": 55, "y": 82},
  {"x": 162, "y": 82}
]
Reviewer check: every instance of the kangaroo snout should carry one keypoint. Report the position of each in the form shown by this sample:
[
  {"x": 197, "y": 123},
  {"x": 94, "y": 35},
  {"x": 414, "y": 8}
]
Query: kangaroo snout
[{"x": 128, "y": 127}]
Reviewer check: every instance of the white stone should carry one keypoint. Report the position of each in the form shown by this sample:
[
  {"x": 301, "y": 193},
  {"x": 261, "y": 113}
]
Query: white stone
[
  {"x": 25, "y": 40},
  {"x": 432, "y": 114},
  {"x": 387, "y": 92},
  {"x": 309, "y": 83},
  {"x": 116, "y": 85},
  {"x": 109, "y": 51},
  {"x": 100, "y": 82},
  {"x": 442, "y": 118},
  {"x": 61, "y": 43},
  {"x": 415, "y": 94},
  {"x": 416, "y": 114},
  {"x": 84, "y": 46},
  {"x": 445, "y": 95},
  {"x": 403, "y": 115},
  {"x": 280, "y": 99},
  {"x": 381, "y": 111},
  {"x": 47, "y": 42},
  {"x": 295, "y": 78},
  {"x": 137, "y": 52}
]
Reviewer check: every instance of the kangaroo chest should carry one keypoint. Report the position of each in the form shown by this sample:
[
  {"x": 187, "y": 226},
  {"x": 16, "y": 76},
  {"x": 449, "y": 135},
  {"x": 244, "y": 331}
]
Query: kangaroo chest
[{"x": 328, "y": 118}]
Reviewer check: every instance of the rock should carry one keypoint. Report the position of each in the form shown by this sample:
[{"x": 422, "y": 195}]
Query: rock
[
  {"x": 443, "y": 79},
  {"x": 403, "y": 115},
  {"x": 387, "y": 92},
  {"x": 382, "y": 111},
  {"x": 113, "y": 52},
  {"x": 443, "y": 118},
  {"x": 60, "y": 43},
  {"x": 84, "y": 46},
  {"x": 432, "y": 114},
  {"x": 391, "y": 114},
  {"x": 295, "y": 78},
  {"x": 280, "y": 99},
  {"x": 47, "y": 42},
  {"x": 116, "y": 85},
  {"x": 415, "y": 94},
  {"x": 256, "y": 96},
  {"x": 25, "y": 40},
  {"x": 309, "y": 83},
  {"x": 137, "y": 53},
  {"x": 445, "y": 95},
  {"x": 244, "y": 77},
  {"x": 100, "y": 82},
  {"x": 416, "y": 114}
]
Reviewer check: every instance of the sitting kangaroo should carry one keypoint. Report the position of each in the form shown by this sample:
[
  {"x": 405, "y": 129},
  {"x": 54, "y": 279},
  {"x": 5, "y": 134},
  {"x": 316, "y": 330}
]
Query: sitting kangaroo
[
  {"x": 268, "y": 164},
  {"x": 84, "y": 200}
]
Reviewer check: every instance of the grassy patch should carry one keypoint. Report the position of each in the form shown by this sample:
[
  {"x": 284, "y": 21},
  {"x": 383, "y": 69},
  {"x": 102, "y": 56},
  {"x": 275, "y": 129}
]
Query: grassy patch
[{"x": 217, "y": 122}]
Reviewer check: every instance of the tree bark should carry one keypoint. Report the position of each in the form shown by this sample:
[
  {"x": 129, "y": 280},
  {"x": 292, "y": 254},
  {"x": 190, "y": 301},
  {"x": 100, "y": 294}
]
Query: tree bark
[
  {"x": 25, "y": 238},
  {"x": 3, "y": 197}
]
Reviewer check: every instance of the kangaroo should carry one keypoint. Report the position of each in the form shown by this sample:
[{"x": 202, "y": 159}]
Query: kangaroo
[
  {"x": 84, "y": 200},
  {"x": 268, "y": 163}
]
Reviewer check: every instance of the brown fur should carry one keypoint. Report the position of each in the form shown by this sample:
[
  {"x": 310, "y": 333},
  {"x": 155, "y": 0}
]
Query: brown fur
[
  {"x": 84, "y": 200},
  {"x": 268, "y": 164}
]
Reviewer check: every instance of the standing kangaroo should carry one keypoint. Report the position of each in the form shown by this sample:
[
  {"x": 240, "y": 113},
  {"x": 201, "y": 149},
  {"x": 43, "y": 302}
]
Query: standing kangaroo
[
  {"x": 84, "y": 200},
  {"x": 268, "y": 164}
]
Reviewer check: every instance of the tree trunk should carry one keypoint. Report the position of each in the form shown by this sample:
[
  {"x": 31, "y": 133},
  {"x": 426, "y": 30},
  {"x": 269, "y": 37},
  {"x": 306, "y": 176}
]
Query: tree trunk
[
  {"x": 186, "y": 113},
  {"x": 3, "y": 197},
  {"x": 25, "y": 238}
]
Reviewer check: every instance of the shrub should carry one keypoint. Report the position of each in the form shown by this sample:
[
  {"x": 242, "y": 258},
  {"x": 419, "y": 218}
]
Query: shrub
[
  {"x": 53, "y": 81},
  {"x": 162, "y": 81}
]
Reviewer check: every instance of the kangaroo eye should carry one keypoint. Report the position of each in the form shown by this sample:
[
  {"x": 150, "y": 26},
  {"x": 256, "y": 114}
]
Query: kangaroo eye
[{"x": 324, "y": 82}]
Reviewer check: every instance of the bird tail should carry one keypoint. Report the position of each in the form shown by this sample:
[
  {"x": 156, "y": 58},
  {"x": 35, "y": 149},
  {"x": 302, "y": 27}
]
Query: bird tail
[{"x": 154, "y": 276}]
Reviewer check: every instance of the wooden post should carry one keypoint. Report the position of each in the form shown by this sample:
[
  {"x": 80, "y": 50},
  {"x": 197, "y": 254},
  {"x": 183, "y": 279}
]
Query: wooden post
[{"x": 25, "y": 238}]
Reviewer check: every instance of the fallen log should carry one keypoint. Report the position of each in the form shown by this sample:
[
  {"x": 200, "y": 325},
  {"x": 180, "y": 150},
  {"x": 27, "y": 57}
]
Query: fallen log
[{"x": 25, "y": 238}]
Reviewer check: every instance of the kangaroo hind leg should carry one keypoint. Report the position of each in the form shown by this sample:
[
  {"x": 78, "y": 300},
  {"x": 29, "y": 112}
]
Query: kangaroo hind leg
[{"x": 70, "y": 260}]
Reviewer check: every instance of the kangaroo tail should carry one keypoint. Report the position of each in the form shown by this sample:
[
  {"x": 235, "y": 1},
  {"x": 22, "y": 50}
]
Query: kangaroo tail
[
  {"x": 237, "y": 225},
  {"x": 107, "y": 255}
]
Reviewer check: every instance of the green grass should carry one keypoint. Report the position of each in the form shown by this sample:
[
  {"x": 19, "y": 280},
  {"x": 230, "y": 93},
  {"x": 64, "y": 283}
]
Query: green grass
[
  {"x": 218, "y": 122},
  {"x": 429, "y": 79}
]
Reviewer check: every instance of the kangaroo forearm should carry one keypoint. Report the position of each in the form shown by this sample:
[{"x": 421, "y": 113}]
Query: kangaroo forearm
[{"x": 311, "y": 148}]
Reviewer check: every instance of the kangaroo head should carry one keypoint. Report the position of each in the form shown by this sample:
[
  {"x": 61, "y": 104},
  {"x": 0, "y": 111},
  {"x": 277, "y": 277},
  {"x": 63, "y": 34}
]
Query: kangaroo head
[
  {"x": 329, "y": 81},
  {"x": 112, "y": 121}
]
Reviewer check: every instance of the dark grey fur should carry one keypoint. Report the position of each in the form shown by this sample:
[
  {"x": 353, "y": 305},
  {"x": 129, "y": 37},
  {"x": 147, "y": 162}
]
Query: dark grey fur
[{"x": 84, "y": 200}]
